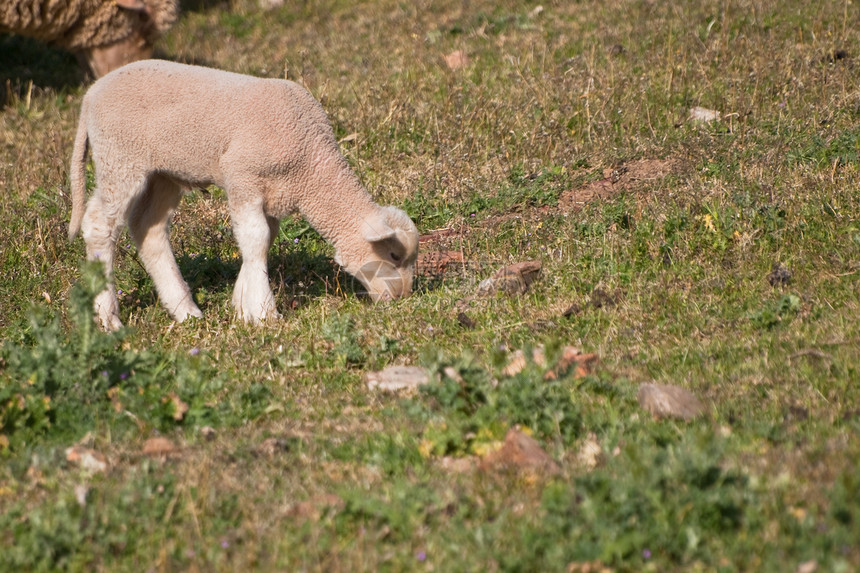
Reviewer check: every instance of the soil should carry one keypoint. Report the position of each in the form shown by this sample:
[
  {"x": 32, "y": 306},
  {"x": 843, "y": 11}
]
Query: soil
[{"x": 630, "y": 176}]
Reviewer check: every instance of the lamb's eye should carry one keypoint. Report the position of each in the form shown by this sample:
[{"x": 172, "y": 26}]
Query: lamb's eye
[{"x": 395, "y": 257}]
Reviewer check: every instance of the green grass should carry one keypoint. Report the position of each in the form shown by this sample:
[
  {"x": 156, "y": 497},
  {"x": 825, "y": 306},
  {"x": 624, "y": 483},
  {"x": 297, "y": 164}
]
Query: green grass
[{"x": 666, "y": 278}]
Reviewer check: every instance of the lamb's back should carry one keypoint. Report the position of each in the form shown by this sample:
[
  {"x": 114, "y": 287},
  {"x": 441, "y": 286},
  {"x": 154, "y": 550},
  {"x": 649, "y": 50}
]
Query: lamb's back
[{"x": 185, "y": 119}]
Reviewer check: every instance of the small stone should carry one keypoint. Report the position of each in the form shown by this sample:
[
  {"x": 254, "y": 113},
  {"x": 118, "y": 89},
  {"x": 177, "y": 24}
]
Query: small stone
[
  {"x": 703, "y": 114},
  {"x": 458, "y": 465},
  {"x": 158, "y": 447},
  {"x": 779, "y": 276},
  {"x": 570, "y": 357},
  {"x": 466, "y": 321},
  {"x": 615, "y": 50},
  {"x": 81, "y": 491},
  {"x": 810, "y": 566},
  {"x": 179, "y": 407},
  {"x": 313, "y": 509},
  {"x": 511, "y": 280},
  {"x": 272, "y": 446},
  {"x": 87, "y": 459},
  {"x": 456, "y": 60},
  {"x": 520, "y": 452},
  {"x": 666, "y": 401},
  {"x": 590, "y": 453},
  {"x": 396, "y": 378}
]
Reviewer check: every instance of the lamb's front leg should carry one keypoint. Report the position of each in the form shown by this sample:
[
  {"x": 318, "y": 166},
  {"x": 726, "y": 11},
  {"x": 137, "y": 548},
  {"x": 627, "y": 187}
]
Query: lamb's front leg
[
  {"x": 253, "y": 300},
  {"x": 148, "y": 225}
]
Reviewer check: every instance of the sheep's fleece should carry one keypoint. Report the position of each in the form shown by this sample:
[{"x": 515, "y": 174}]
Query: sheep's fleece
[
  {"x": 106, "y": 33},
  {"x": 156, "y": 128}
]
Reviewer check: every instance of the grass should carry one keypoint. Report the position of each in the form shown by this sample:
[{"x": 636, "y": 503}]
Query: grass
[{"x": 286, "y": 461}]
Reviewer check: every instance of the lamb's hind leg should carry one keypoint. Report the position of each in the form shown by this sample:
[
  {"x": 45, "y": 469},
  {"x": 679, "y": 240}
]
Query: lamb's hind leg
[
  {"x": 252, "y": 297},
  {"x": 148, "y": 223},
  {"x": 101, "y": 226}
]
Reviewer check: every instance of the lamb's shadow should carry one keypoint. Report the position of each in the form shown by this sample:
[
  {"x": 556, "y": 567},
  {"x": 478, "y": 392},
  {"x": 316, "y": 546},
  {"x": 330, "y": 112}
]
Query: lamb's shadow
[{"x": 296, "y": 278}]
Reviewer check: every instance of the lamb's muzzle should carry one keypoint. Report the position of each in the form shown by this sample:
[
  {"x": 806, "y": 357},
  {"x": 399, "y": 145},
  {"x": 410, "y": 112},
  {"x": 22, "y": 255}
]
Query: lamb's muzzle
[{"x": 267, "y": 143}]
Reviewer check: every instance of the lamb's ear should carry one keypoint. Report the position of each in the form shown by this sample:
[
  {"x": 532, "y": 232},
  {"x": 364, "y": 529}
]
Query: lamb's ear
[{"x": 375, "y": 229}]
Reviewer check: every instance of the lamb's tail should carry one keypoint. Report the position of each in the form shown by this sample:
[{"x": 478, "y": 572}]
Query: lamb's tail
[{"x": 78, "y": 173}]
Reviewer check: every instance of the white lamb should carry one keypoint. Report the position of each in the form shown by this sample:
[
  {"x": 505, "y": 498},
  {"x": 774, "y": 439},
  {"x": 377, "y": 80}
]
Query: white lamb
[{"x": 157, "y": 128}]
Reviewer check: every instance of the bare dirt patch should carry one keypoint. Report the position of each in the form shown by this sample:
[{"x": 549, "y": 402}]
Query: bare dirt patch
[{"x": 629, "y": 176}]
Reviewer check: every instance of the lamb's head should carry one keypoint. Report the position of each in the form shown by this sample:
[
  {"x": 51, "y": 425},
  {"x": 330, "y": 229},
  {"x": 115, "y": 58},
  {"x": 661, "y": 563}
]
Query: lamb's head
[{"x": 383, "y": 256}]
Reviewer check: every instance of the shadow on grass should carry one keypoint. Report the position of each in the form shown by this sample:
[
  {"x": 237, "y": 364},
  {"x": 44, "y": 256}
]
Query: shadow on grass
[
  {"x": 296, "y": 277},
  {"x": 24, "y": 61}
]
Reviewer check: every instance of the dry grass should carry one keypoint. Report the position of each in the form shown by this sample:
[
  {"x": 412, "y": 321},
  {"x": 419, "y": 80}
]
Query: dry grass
[{"x": 565, "y": 138}]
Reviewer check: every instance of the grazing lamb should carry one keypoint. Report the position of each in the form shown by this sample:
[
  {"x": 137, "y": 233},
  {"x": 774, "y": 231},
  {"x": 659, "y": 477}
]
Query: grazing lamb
[
  {"x": 105, "y": 34},
  {"x": 156, "y": 128}
]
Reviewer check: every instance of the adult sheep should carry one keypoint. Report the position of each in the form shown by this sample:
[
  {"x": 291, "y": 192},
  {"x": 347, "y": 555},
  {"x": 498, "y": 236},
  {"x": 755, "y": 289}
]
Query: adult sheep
[
  {"x": 156, "y": 128},
  {"x": 105, "y": 34}
]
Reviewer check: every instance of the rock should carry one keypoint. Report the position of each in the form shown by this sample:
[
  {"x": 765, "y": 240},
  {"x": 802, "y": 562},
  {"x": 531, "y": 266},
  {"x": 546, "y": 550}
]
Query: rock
[
  {"x": 590, "y": 453},
  {"x": 394, "y": 378},
  {"x": 313, "y": 509},
  {"x": 511, "y": 280},
  {"x": 518, "y": 363},
  {"x": 208, "y": 432},
  {"x": 179, "y": 407},
  {"x": 435, "y": 263},
  {"x": 159, "y": 447},
  {"x": 81, "y": 491},
  {"x": 779, "y": 276},
  {"x": 272, "y": 446},
  {"x": 666, "y": 401},
  {"x": 458, "y": 465},
  {"x": 808, "y": 567},
  {"x": 570, "y": 357},
  {"x": 588, "y": 567},
  {"x": 615, "y": 50},
  {"x": 520, "y": 452},
  {"x": 466, "y": 321},
  {"x": 87, "y": 459},
  {"x": 631, "y": 176},
  {"x": 703, "y": 114},
  {"x": 456, "y": 60}
]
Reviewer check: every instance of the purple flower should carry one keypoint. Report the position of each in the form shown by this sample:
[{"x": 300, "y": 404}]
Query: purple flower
[
  {"x": 225, "y": 544},
  {"x": 646, "y": 553},
  {"x": 421, "y": 556},
  {"x": 194, "y": 351},
  {"x": 296, "y": 240},
  {"x": 105, "y": 373},
  {"x": 123, "y": 376}
]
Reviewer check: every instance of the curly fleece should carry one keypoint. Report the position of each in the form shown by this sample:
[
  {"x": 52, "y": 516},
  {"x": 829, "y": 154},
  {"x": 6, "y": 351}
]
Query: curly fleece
[{"x": 81, "y": 24}]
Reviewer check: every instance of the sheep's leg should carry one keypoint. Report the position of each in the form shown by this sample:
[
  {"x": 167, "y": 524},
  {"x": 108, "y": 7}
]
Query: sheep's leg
[
  {"x": 148, "y": 223},
  {"x": 252, "y": 297},
  {"x": 101, "y": 226}
]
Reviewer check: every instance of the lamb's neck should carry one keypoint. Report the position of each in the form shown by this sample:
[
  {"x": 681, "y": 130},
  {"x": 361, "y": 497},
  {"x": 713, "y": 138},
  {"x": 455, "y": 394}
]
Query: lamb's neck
[{"x": 337, "y": 209}]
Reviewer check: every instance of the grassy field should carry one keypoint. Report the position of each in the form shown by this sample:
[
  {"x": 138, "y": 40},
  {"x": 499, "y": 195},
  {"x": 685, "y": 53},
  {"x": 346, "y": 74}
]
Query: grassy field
[{"x": 719, "y": 256}]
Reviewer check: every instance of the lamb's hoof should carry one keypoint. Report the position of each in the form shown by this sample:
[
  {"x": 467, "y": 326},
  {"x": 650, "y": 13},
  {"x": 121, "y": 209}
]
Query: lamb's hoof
[
  {"x": 110, "y": 323},
  {"x": 107, "y": 309},
  {"x": 184, "y": 314},
  {"x": 259, "y": 319}
]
